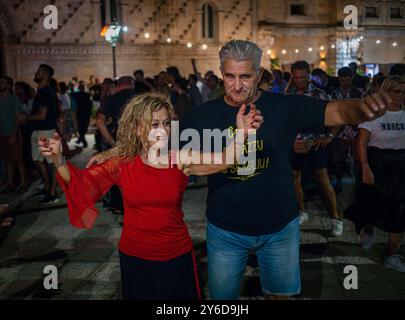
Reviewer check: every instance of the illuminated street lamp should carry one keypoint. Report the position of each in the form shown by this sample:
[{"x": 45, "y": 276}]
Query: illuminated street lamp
[{"x": 111, "y": 33}]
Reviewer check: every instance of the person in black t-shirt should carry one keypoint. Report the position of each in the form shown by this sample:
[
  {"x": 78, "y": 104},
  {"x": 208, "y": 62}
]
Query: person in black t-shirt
[
  {"x": 109, "y": 114},
  {"x": 258, "y": 212},
  {"x": 107, "y": 123},
  {"x": 43, "y": 122}
]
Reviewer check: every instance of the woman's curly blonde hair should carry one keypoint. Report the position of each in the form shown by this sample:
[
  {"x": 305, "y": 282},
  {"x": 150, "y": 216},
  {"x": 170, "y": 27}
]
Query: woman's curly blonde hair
[{"x": 135, "y": 123}]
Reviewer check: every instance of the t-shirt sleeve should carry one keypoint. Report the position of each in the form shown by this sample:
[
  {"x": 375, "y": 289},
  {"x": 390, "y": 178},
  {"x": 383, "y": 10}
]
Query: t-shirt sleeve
[
  {"x": 367, "y": 125},
  {"x": 86, "y": 187},
  {"x": 308, "y": 113}
]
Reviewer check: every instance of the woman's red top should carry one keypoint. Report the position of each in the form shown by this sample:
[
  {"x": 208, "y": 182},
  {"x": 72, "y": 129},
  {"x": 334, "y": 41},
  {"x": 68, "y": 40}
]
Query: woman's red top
[{"x": 154, "y": 228}]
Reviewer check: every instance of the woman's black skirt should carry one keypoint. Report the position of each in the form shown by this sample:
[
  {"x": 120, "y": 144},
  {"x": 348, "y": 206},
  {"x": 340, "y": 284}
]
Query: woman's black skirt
[
  {"x": 175, "y": 279},
  {"x": 382, "y": 204}
]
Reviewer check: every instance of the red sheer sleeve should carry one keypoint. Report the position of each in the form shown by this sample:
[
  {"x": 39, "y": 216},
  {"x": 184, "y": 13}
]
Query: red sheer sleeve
[{"x": 86, "y": 187}]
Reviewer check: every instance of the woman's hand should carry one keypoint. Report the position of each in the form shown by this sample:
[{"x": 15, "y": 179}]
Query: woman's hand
[
  {"x": 51, "y": 148},
  {"x": 252, "y": 120},
  {"x": 367, "y": 175}
]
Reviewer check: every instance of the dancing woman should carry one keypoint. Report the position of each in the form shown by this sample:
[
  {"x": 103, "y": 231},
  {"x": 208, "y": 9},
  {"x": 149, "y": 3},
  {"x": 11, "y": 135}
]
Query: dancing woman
[{"x": 156, "y": 252}]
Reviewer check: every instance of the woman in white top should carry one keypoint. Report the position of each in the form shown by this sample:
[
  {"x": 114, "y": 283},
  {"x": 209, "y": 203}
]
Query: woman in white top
[{"x": 382, "y": 157}]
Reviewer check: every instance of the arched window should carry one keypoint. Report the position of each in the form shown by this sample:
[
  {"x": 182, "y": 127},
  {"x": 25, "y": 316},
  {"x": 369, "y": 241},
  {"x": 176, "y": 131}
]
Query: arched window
[{"x": 208, "y": 22}]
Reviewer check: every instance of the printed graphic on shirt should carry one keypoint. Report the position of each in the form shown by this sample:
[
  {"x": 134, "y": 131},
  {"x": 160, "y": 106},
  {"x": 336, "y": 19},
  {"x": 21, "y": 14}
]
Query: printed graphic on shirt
[
  {"x": 392, "y": 126},
  {"x": 259, "y": 164}
]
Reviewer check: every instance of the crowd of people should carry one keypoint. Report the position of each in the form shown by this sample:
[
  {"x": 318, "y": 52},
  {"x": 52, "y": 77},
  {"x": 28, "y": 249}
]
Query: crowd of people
[{"x": 316, "y": 126}]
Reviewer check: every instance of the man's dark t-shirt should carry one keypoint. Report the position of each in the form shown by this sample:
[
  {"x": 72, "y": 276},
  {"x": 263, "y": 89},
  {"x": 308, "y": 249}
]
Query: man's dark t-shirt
[
  {"x": 114, "y": 106},
  {"x": 265, "y": 201},
  {"x": 45, "y": 98}
]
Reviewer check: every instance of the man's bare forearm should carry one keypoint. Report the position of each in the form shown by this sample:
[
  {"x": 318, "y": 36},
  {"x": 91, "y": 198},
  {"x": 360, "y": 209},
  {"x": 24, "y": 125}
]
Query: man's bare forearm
[
  {"x": 234, "y": 148},
  {"x": 350, "y": 111}
]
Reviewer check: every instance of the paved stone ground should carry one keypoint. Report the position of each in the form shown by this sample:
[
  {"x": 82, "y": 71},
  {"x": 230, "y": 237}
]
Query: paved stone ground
[{"x": 88, "y": 265}]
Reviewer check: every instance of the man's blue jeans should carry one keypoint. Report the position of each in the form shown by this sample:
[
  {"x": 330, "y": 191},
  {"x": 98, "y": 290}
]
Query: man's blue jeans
[{"x": 278, "y": 258}]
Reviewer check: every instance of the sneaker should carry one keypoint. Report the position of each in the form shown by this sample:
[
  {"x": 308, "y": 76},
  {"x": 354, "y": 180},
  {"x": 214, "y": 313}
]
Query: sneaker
[
  {"x": 395, "y": 262},
  {"x": 366, "y": 239},
  {"x": 337, "y": 228},
  {"x": 55, "y": 199},
  {"x": 48, "y": 200},
  {"x": 304, "y": 217}
]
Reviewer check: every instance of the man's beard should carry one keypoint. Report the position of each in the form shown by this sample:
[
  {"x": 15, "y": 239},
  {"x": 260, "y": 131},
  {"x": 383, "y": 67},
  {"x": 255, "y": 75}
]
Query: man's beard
[{"x": 36, "y": 80}]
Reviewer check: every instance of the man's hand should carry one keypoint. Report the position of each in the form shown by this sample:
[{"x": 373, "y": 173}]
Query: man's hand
[
  {"x": 100, "y": 158},
  {"x": 354, "y": 111},
  {"x": 322, "y": 142},
  {"x": 374, "y": 105},
  {"x": 303, "y": 146}
]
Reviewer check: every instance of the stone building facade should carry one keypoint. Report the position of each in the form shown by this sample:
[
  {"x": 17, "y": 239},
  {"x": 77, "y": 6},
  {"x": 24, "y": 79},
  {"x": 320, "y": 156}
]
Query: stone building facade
[{"x": 160, "y": 30}]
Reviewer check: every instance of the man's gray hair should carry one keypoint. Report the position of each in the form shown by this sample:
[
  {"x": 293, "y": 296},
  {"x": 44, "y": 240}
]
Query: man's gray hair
[{"x": 241, "y": 50}]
